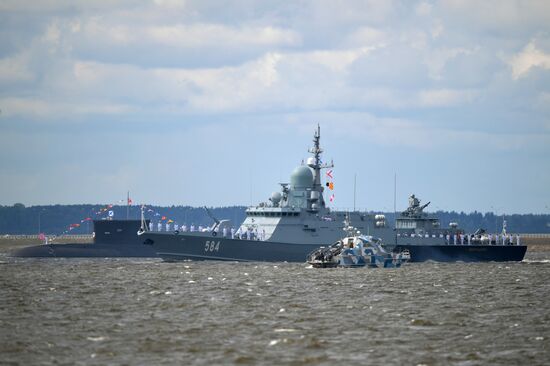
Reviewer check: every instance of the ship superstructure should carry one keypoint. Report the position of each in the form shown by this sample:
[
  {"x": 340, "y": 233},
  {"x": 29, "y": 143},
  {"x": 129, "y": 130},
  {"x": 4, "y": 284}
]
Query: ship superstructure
[{"x": 298, "y": 213}]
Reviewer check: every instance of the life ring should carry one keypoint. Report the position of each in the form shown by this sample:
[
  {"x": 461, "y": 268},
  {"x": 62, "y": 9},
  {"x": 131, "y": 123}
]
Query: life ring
[{"x": 214, "y": 233}]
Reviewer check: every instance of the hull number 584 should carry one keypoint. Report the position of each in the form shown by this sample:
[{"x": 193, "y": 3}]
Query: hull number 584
[{"x": 211, "y": 246}]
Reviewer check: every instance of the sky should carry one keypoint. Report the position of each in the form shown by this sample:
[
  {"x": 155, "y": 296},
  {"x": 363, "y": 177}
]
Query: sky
[{"x": 215, "y": 102}]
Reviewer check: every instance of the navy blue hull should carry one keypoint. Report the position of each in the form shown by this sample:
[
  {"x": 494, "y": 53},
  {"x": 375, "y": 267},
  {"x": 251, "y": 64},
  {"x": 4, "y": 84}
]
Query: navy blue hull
[
  {"x": 171, "y": 247},
  {"x": 465, "y": 253},
  {"x": 74, "y": 250},
  {"x": 113, "y": 238}
]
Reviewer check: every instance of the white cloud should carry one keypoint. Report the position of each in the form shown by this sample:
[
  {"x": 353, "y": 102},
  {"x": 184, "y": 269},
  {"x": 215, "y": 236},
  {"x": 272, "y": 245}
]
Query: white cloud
[
  {"x": 393, "y": 76},
  {"x": 497, "y": 15},
  {"x": 423, "y": 8},
  {"x": 43, "y": 109},
  {"x": 53, "y": 34},
  {"x": 334, "y": 60},
  {"x": 208, "y": 35},
  {"x": 366, "y": 37},
  {"x": 15, "y": 68},
  {"x": 201, "y": 35},
  {"x": 444, "y": 97},
  {"x": 392, "y": 132},
  {"x": 437, "y": 28},
  {"x": 528, "y": 58},
  {"x": 171, "y": 4},
  {"x": 436, "y": 59}
]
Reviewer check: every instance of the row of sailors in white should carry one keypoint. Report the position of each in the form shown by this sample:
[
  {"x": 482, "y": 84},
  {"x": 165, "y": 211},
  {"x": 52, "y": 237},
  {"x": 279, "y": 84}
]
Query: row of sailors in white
[
  {"x": 241, "y": 233},
  {"x": 490, "y": 238},
  {"x": 504, "y": 239},
  {"x": 177, "y": 227},
  {"x": 248, "y": 234}
]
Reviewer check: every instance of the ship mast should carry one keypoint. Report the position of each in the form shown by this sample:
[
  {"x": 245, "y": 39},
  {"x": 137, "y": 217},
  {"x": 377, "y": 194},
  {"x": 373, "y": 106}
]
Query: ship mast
[{"x": 317, "y": 165}]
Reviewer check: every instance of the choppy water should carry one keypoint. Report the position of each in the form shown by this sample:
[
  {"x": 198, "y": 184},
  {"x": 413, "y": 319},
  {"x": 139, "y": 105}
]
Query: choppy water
[{"x": 75, "y": 311}]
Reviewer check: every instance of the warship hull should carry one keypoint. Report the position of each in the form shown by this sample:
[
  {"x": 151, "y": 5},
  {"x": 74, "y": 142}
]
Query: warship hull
[
  {"x": 177, "y": 247},
  {"x": 76, "y": 250},
  {"x": 113, "y": 238},
  {"x": 465, "y": 253}
]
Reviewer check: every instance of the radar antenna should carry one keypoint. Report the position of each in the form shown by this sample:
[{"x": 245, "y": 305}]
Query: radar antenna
[
  {"x": 317, "y": 165},
  {"x": 316, "y": 150}
]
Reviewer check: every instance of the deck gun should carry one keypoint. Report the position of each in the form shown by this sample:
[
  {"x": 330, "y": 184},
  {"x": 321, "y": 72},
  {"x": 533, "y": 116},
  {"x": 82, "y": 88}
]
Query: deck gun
[
  {"x": 217, "y": 222},
  {"x": 421, "y": 208}
]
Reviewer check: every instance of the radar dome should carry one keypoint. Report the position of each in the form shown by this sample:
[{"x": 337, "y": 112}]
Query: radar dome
[
  {"x": 275, "y": 198},
  {"x": 302, "y": 177}
]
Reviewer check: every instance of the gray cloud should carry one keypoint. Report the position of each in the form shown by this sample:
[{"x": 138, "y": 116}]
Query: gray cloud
[{"x": 179, "y": 85}]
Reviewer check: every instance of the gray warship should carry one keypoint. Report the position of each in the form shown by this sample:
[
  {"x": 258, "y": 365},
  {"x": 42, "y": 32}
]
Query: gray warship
[
  {"x": 296, "y": 221},
  {"x": 422, "y": 235}
]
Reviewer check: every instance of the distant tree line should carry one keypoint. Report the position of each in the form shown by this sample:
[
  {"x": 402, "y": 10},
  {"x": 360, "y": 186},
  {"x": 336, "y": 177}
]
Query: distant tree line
[
  {"x": 58, "y": 219},
  {"x": 78, "y": 219}
]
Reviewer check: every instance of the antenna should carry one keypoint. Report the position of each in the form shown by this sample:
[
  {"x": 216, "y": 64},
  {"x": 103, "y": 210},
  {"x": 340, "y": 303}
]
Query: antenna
[
  {"x": 317, "y": 165},
  {"x": 394, "y": 192},
  {"x": 394, "y": 206},
  {"x": 354, "y": 190},
  {"x": 250, "y": 184}
]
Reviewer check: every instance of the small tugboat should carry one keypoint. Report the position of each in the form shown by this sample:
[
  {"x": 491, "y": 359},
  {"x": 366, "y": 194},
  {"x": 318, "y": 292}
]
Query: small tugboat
[{"x": 357, "y": 251}]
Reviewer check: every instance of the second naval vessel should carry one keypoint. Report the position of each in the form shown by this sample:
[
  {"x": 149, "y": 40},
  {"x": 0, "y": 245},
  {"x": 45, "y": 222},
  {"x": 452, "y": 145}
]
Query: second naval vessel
[
  {"x": 112, "y": 238},
  {"x": 296, "y": 220}
]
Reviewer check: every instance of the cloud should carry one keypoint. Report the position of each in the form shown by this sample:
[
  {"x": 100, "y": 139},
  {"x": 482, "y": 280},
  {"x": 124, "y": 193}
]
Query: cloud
[
  {"x": 527, "y": 59},
  {"x": 15, "y": 68},
  {"x": 460, "y": 81},
  {"x": 406, "y": 133},
  {"x": 43, "y": 109},
  {"x": 197, "y": 35},
  {"x": 444, "y": 97},
  {"x": 501, "y": 18},
  {"x": 210, "y": 35}
]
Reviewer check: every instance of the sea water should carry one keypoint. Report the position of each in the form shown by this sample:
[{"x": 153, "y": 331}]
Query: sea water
[{"x": 126, "y": 311}]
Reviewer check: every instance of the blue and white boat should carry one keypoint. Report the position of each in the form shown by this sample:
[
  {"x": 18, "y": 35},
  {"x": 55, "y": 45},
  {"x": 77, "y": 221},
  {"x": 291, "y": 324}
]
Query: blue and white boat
[{"x": 357, "y": 251}]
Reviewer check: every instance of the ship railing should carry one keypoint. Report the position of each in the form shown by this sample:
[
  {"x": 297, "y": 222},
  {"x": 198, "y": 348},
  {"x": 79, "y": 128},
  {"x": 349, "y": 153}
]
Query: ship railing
[
  {"x": 470, "y": 239},
  {"x": 536, "y": 236},
  {"x": 496, "y": 239},
  {"x": 37, "y": 236},
  {"x": 351, "y": 209}
]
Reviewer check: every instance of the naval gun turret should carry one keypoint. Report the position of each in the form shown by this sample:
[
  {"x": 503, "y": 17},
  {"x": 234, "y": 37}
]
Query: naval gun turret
[{"x": 415, "y": 209}]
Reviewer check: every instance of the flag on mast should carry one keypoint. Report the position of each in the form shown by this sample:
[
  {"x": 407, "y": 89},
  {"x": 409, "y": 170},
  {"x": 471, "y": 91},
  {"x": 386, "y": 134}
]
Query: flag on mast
[{"x": 129, "y": 200}]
